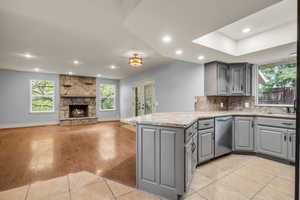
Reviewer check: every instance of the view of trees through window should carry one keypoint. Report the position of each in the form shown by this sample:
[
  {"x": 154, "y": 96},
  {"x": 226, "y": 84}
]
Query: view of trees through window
[
  {"x": 276, "y": 84},
  {"x": 42, "y": 96},
  {"x": 107, "y": 97}
]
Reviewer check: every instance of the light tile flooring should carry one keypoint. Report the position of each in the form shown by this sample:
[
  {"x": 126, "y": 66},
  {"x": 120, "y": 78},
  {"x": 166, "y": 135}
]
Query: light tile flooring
[
  {"x": 240, "y": 177},
  {"x": 234, "y": 177}
]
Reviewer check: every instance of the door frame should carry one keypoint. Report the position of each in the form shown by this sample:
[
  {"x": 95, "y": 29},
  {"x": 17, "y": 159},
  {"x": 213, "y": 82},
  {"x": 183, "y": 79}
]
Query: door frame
[
  {"x": 297, "y": 197},
  {"x": 138, "y": 84}
]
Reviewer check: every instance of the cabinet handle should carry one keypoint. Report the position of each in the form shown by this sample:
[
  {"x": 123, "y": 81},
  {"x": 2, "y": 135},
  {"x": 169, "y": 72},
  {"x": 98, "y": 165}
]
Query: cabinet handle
[
  {"x": 206, "y": 124},
  {"x": 290, "y": 138},
  {"x": 193, "y": 147},
  {"x": 284, "y": 137},
  {"x": 288, "y": 124}
]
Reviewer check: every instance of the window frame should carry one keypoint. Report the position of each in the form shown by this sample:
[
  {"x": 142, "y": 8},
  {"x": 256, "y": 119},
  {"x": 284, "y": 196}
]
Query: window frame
[
  {"x": 114, "y": 97},
  {"x": 31, "y": 96},
  {"x": 256, "y": 86}
]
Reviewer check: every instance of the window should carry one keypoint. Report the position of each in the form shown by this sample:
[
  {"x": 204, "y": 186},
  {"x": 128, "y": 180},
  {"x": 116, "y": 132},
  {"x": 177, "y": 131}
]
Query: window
[
  {"x": 107, "y": 97},
  {"x": 42, "y": 96},
  {"x": 276, "y": 84}
]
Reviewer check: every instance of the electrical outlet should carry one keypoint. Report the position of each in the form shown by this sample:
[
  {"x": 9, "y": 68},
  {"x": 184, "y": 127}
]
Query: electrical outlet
[
  {"x": 222, "y": 105},
  {"x": 247, "y": 105}
]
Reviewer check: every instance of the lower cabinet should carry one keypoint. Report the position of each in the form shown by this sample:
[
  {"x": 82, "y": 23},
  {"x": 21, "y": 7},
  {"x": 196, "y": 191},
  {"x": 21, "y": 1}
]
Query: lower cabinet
[
  {"x": 292, "y": 145},
  {"x": 205, "y": 145},
  {"x": 190, "y": 159},
  {"x": 161, "y": 160},
  {"x": 272, "y": 141},
  {"x": 243, "y": 134}
]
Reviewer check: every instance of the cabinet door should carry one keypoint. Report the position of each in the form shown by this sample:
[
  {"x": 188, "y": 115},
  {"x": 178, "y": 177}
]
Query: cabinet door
[
  {"x": 188, "y": 163},
  {"x": 205, "y": 145},
  {"x": 223, "y": 79},
  {"x": 248, "y": 81},
  {"x": 195, "y": 152},
  {"x": 237, "y": 75},
  {"x": 292, "y": 145},
  {"x": 272, "y": 141},
  {"x": 243, "y": 133}
]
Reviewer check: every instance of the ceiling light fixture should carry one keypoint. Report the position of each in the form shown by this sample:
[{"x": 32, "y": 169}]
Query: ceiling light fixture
[
  {"x": 113, "y": 67},
  {"x": 28, "y": 55},
  {"x": 75, "y": 62},
  {"x": 246, "y": 30},
  {"x": 179, "y": 52},
  {"x": 167, "y": 39},
  {"x": 136, "y": 60},
  {"x": 36, "y": 69},
  {"x": 70, "y": 73},
  {"x": 201, "y": 57},
  {"x": 99, "y": 75}
]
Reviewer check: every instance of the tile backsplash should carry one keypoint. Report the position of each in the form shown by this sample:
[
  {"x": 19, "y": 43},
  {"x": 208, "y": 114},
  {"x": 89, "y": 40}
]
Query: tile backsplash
[{"x": 205, "y": 104}]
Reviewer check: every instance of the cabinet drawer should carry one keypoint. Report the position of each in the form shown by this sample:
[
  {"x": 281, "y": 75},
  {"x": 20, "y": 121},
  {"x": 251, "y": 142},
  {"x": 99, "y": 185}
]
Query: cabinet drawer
[
  {"x": 205, "y": 124},
  {"x": 189, "y": 132},
  {"x": 276, "y": 122}
]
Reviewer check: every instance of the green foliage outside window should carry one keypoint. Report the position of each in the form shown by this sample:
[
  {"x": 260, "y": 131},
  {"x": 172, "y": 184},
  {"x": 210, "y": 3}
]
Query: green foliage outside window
[
  {"x": 42, "y": 96},
  {"x": 107, "y": 94},
  {"x": 277, "y": 84}
]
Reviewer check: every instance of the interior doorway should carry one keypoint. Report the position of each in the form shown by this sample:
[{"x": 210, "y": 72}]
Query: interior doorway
[{"x": 144, "y": 98}]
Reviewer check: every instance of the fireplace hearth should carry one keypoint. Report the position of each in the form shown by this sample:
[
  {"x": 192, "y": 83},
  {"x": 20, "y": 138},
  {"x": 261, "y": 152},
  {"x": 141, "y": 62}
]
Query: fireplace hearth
[{"x": 77, "y": 111}]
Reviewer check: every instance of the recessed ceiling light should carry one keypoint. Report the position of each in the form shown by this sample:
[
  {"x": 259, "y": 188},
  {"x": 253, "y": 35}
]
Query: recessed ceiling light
[
  {"x": 99, "y": 75},
  {"x": 167, "y": 39},
  {"x": 27, "y": 55},
  {"x": 178, "y": 52},
  {"x": 37, "y": 69},
  {"x": 70, "y": 73},
  {"x": 76, "y": 62},
  {"x": 246, "y": 30},
  {"x": 113, "y": 67},
  {"x": 201, "y": 57}
]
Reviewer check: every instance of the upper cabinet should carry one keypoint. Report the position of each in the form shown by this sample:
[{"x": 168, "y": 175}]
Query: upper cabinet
[
  {"x": 223, "y": 79},
  {"x": 216, "y": 79}
]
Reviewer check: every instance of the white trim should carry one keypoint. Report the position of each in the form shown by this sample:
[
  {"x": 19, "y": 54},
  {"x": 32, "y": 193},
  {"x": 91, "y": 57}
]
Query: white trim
[
  {"x": 19, "y": 125},
  {"x": 256, "y": 92},
  {"x": 53, "y": 97},
  {"x": 115, "y": 97}
]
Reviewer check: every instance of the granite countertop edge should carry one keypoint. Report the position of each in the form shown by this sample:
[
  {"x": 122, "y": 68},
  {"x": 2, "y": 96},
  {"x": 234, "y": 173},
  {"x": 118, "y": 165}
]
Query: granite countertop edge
[{"x": 158, "y": 122}]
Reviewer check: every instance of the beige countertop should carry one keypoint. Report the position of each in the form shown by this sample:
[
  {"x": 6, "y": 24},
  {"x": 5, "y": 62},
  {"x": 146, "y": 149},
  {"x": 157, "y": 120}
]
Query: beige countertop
[{"x": 185, "y": 119}]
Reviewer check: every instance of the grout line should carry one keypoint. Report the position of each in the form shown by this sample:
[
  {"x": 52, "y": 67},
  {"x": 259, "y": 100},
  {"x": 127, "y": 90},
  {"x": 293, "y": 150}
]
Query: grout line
[
  {"x": 263, "y": 187},
  {"x": 114, "y": 197},
  {"x": 69, "y": 187},
  {"x": 27, "y": 192}
]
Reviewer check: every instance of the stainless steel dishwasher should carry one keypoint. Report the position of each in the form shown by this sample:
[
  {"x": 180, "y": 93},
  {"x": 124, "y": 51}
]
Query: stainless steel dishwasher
[{"x": 223, "y": 135}]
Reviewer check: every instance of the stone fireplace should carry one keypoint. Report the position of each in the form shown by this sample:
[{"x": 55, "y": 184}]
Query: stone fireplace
[{"x": 77, "y": 100}]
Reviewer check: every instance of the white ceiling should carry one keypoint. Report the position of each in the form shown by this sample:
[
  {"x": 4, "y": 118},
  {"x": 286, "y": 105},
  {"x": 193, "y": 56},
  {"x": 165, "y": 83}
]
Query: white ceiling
[
  {"x": 269, "y": 18},
  {"x": 100, "y": 33}
]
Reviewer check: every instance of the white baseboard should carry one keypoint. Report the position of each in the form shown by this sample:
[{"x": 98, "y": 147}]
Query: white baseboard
[{"x": 18, "y": 125}]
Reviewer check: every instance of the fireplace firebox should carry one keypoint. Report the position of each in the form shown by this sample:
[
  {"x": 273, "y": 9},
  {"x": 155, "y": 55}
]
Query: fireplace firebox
[{"x": 77, "y": 111}]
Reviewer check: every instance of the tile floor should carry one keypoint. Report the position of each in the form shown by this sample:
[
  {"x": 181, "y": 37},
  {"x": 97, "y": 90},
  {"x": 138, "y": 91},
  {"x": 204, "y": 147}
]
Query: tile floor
[
  {"x": 77, "y": 186},
  {"x": 240, "y": 177},
  {"x": 234, "y": 177}
]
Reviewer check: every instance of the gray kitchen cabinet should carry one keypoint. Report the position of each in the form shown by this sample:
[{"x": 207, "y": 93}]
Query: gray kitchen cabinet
[
  {"x": 216, "y": 79},
  {"x": 243, "y": 134},
  {"x": 292, "y": 145},
  {"x": 205, "y": 145},
  {"x": 161, "y": 160},
  {"x": 222, "y": 79},
  {"x": 188, "y": 163},
  {"x": 237, "y": 79},
  {"x": 272, "y": 141}
]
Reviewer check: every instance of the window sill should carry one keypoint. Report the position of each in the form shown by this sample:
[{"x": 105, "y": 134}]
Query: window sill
[
  {"x": 41, "y": 112},
  {"x": 274, "y": 105},
  {"x": 107, "y": 110}
]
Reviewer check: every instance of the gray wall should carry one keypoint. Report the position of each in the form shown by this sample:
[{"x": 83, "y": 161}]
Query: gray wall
[
  {"x": 108, "y": 115},
  {"x": 15, "y": 99},
  {"x": 176, "y": 84}
]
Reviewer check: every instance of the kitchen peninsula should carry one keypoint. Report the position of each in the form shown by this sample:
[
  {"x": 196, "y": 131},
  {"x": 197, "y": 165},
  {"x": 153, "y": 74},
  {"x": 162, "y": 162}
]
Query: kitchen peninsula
[{"x": 171, "y": 145}]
